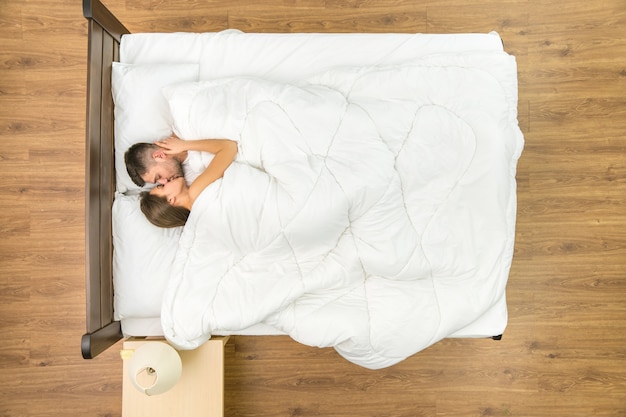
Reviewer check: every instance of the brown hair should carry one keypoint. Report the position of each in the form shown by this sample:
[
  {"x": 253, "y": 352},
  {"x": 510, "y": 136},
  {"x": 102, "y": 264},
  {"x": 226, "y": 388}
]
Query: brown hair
[
  {"x": 161, "y": 213},
  {"x": 138, "y": 159}
]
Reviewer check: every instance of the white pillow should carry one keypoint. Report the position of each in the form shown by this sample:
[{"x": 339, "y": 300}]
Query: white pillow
[
  {"x": 142, "y": 259},
  {"x": 141, "y": 111}
]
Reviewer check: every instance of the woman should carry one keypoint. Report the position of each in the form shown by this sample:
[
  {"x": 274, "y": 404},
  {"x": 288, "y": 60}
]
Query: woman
[{"x": 169, "y": 203}]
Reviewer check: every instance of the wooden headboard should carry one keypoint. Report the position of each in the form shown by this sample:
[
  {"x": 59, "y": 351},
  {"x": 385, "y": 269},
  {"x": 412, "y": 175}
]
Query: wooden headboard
[{"x": 105, "y": 33}]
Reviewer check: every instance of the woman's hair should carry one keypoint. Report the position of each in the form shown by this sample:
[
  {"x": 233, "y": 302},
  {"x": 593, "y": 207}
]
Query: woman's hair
[{"x": 161, "y": 213}]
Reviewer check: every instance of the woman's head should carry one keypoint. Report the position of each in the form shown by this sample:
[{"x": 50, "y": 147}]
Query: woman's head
[
  {"x": 161, "y": 213},
  {"x": 166, "y": 205}
]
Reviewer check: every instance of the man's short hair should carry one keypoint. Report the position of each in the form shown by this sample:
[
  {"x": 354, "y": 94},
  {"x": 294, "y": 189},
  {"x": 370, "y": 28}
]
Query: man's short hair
[{"x": 138, "y": 159}]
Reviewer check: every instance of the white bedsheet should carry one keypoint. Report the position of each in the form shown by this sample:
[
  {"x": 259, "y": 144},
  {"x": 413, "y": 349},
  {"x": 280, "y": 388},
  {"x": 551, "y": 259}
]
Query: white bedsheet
[
  {"x": 372, "y": 210},
  {"x": 293, "y": 56}
]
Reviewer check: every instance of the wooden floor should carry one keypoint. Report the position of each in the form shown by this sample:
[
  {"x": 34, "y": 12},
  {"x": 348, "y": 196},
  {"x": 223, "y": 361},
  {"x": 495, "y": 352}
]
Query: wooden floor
[{"x": 564, "y": 352}]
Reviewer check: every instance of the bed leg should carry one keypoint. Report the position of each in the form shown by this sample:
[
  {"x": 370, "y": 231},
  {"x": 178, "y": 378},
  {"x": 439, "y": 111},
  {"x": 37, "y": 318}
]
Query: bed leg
[{"x": 498, "y": 337}]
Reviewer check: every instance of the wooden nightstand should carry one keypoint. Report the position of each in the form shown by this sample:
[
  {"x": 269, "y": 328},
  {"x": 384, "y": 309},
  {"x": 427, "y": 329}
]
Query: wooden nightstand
[{"x": 198, "y": 393}]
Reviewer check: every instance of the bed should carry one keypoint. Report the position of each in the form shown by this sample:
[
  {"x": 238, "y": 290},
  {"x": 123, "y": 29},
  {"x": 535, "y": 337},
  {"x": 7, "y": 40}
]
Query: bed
[{"x": 417, "y": 129}]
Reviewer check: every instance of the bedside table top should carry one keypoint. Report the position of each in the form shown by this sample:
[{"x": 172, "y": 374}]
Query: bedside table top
[{"x": 199, "y": 392}]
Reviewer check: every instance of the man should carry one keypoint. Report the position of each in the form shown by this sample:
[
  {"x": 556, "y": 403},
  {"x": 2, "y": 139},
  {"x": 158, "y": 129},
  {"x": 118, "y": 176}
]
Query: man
[{"x": 157, "y": 163}]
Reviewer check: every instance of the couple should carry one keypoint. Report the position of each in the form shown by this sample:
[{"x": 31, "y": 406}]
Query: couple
[{"x": 169, "y": 203}]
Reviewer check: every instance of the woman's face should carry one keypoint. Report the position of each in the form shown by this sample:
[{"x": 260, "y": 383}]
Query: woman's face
[{"x": 172, "y": 190}]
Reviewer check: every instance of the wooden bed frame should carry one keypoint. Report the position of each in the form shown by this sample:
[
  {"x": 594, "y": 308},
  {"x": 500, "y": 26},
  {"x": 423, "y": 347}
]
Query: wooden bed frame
[{"x": 105, "y": 33}]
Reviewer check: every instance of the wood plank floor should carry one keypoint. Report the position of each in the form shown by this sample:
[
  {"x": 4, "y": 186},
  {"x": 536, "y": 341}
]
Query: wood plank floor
[{"x": 564, "y": 352}]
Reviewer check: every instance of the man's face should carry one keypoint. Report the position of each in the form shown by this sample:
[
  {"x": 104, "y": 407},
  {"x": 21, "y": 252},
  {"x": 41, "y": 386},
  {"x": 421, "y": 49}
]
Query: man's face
[{"x": 162, "y": 171}]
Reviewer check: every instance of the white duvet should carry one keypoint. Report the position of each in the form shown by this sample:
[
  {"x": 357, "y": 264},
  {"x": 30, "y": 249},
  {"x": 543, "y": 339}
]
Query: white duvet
[{"x": 371, "y": 210}]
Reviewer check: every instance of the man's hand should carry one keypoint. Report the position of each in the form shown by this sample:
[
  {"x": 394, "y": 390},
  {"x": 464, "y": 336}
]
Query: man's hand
[{"x": 173, "y": 145}]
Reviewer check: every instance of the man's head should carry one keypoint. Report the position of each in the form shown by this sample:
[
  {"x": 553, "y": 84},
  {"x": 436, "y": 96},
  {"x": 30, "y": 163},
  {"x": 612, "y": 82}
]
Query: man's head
[{"x": 147, "y": 163}]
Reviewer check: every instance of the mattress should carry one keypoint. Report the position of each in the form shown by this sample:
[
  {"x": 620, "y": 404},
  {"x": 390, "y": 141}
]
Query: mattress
[
  {"x": 492, "y": 323},
  {"x": 139, "y": 286}
]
